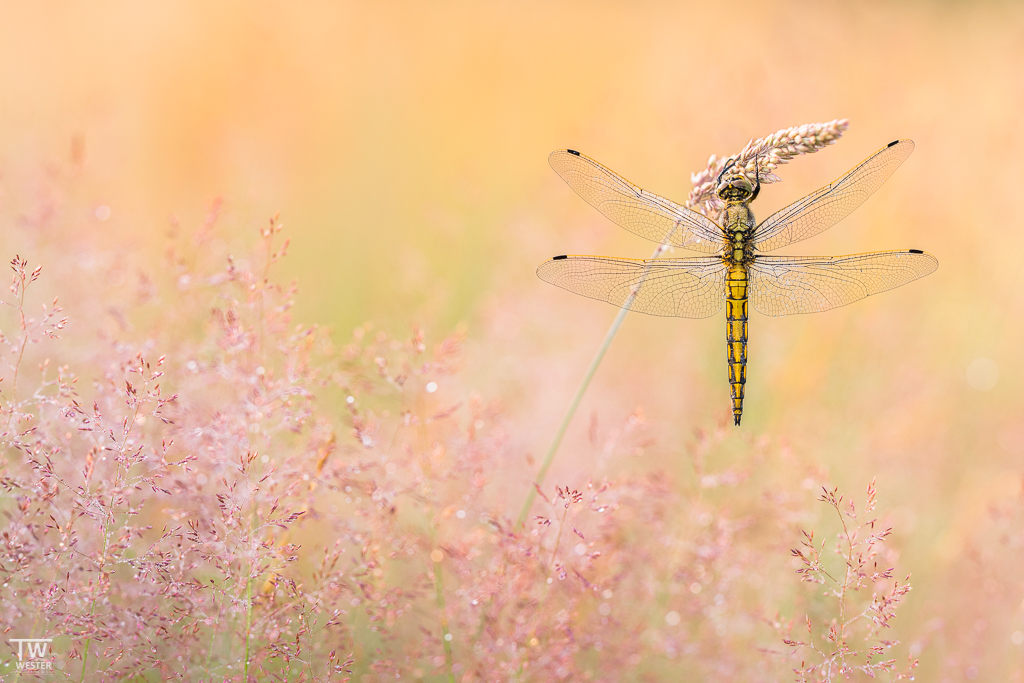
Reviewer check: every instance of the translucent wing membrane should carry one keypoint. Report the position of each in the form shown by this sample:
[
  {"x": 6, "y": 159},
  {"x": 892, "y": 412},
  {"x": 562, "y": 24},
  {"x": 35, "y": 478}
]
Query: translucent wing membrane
[
  {"x": 825, "y": 207},
  {"x": 682, "y": 287},
  {"x": 784, "y": 285},
  {"x": 642, "y": 213}
]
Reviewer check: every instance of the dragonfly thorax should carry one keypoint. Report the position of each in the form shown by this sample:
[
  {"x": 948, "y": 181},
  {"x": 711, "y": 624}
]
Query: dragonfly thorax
[
  {"x": 738, "y": 221},
  {"x": 736, "y": 218}
]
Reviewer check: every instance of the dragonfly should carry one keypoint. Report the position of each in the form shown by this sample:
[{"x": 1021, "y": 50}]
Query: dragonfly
[{"x": 735, "y": 270}]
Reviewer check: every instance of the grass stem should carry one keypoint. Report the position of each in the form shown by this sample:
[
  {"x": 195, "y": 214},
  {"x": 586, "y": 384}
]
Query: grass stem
[
  {"x": 549, "y": 457},
  {"x": 445, "y": 633}
]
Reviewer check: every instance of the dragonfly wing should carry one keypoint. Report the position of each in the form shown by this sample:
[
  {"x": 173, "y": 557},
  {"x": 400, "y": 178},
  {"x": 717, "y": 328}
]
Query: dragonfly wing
[
  {"x": 784, "y": 285},
  {"x": 826, "y": 206},
  {"x": 681, "y": 287},
  {"x": 642, "y": 213}
]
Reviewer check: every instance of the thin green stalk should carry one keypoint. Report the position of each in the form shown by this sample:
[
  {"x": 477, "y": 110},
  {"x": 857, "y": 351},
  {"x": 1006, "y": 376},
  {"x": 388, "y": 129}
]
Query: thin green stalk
[
  {"x": 445, "y": 633},
  {"x": 436, "y": 557},
  {"x": 558, "y": 539},
  {"x": 21, "y": 353},
  {"x": 106, "y": 529},
  {"x": 248, "y": 622},
  {"x": 209, "y": 647},
  {"x": 549, "y": 457},
  {"x": 253, "y": 562}
]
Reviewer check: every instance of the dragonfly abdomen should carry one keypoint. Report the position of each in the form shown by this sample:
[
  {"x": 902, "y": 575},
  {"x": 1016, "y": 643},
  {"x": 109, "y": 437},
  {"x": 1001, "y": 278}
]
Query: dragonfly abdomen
[{"x": 736, "y": 333}]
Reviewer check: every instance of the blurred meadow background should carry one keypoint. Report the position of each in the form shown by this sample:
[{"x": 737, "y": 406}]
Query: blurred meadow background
[{"x": 403, "y": 147}]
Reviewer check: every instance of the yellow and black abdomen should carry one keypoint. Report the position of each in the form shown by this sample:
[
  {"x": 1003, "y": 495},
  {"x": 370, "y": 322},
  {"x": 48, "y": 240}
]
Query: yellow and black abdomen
[{"x": 736, "y": 310}]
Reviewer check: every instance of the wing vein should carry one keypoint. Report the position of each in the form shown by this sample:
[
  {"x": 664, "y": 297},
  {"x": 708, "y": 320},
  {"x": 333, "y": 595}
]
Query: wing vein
[
  {"x": 635, "y": 209},
  {"x": 681, "y": 287},
  {"x": 786, "y": 285},
  {"x": 826, "y": 206}
]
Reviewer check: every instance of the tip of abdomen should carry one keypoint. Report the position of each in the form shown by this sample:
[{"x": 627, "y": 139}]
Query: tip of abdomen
[{"x": 736, "y": 418}]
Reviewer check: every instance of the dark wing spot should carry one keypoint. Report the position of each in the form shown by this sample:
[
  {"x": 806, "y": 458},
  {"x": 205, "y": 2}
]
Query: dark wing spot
[
  {"x": 559, "y": 258},
  {"x": 916, "y": 251},
  {"x": 572, "y": 151},
  {"x": 892, "y": 143}
]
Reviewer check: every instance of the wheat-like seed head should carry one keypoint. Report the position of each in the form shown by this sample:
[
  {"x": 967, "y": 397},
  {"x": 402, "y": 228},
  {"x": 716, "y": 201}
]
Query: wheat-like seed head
[{"x": 768, "y": 153}]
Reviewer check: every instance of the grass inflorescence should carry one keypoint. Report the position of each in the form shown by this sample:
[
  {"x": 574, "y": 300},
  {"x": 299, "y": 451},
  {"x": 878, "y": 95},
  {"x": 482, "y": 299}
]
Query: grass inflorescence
[{"x": 196, "y": 488}]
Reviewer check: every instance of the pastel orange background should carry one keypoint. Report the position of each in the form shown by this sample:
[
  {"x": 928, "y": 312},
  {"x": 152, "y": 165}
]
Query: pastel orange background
[{"x": 404, "y": 146}]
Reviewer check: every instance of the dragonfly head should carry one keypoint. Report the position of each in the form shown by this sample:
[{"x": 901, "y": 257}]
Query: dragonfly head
[{"x": 735, "y": 187}]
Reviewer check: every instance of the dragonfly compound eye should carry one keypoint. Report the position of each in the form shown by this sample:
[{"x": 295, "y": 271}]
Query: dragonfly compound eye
[{"x": 735, "y": 186}]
